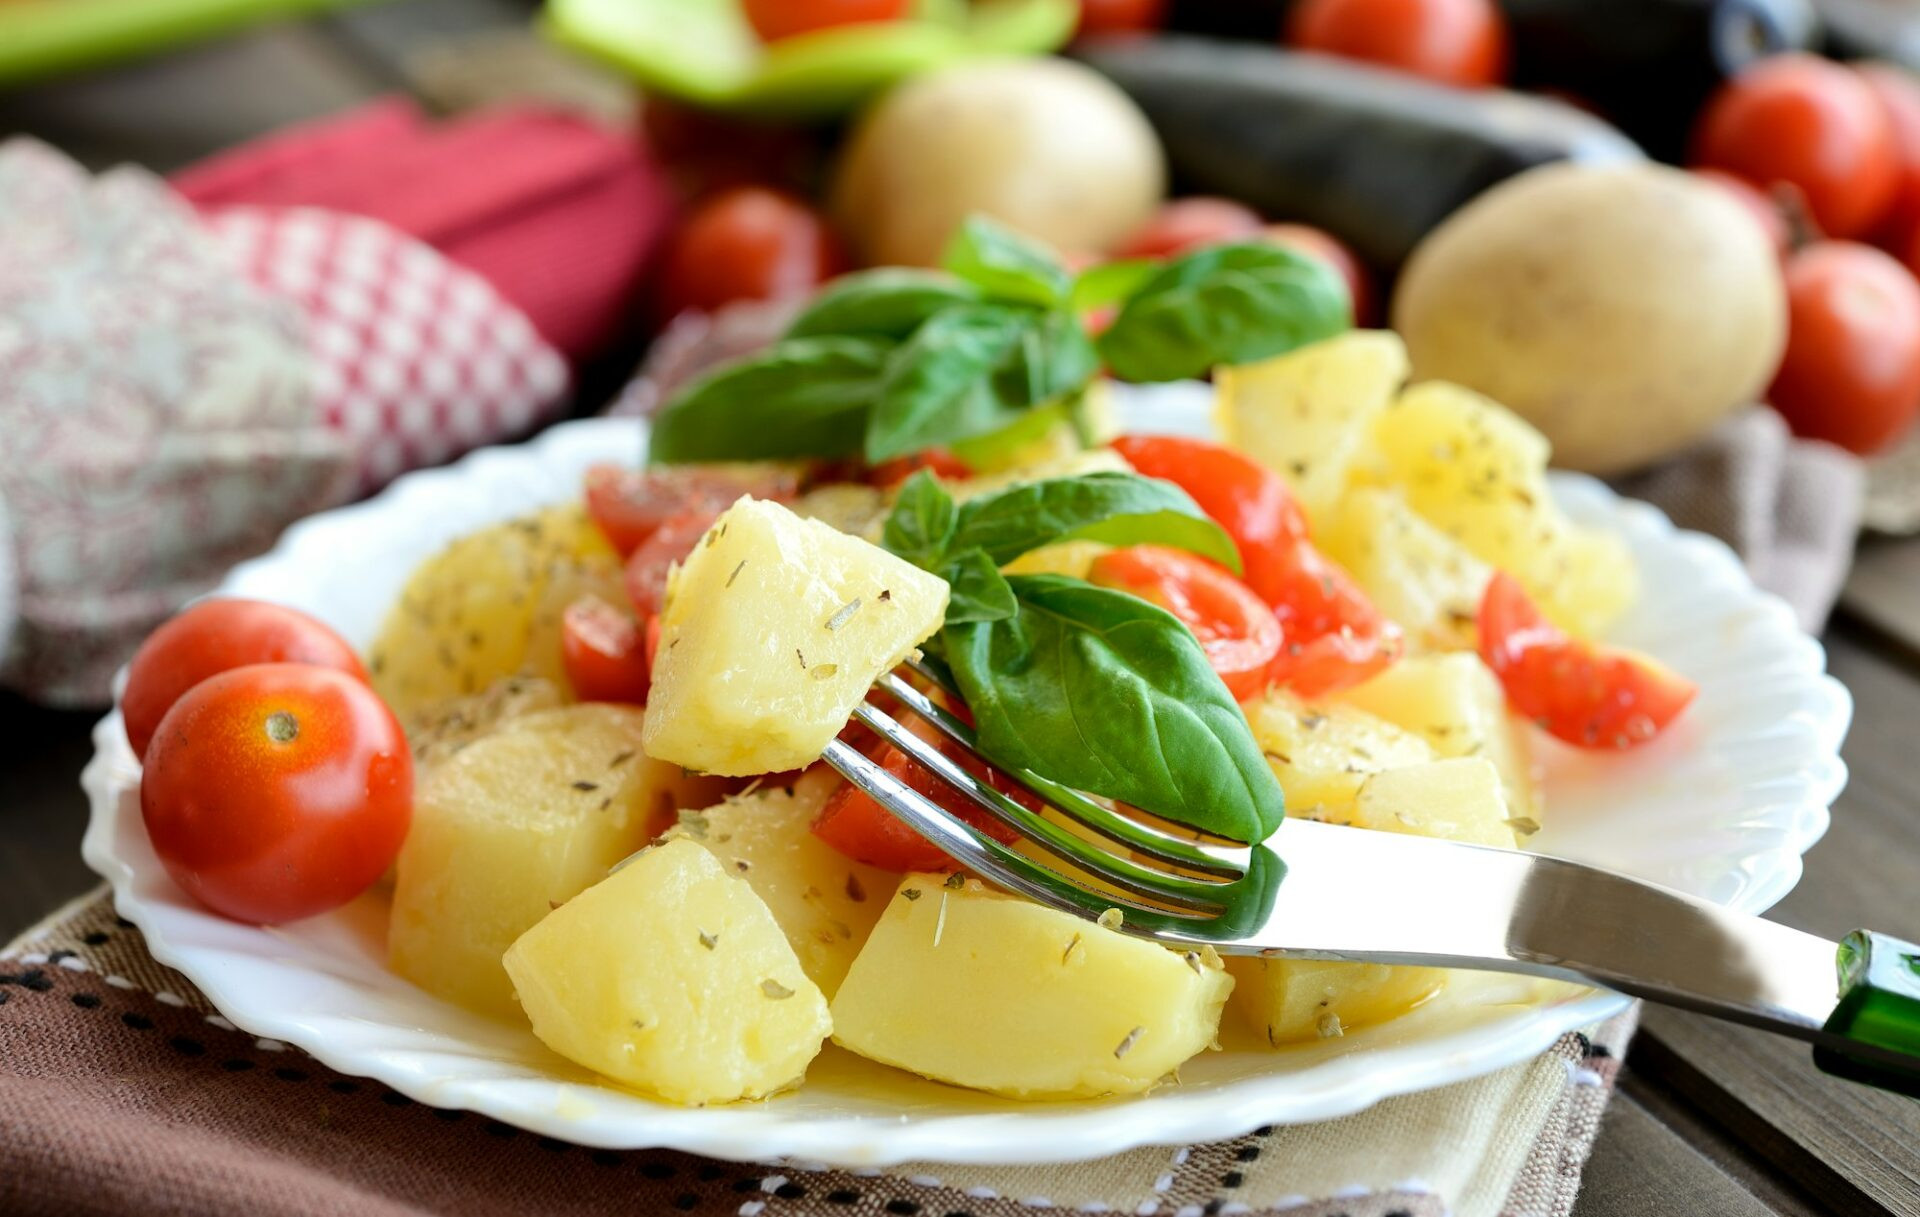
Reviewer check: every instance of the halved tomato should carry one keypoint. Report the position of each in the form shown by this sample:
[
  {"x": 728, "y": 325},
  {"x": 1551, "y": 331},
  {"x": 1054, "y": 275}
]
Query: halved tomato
[
  {"x": 647, "y": 566},
  {"x": 853, "y": 823},
  {"x": 630, "y": 505},
  {"x": 604, "y": 651},
  {"x": 1236, "y": 629}
]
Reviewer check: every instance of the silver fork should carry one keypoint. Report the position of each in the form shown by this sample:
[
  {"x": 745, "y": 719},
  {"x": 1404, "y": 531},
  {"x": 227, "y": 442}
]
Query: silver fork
[{"x": 1321, "y": 891}]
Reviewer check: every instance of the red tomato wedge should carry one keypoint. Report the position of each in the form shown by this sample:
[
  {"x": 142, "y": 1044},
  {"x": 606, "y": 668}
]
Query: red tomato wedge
[
  {"x": 863, "y": 830},
  {"x": 1589, "y": 695},
  {"x": 647, "y": 566},
  {"x": 630, "y": 505},
  {"x": 1332, "y": 636},
  {"x": 604, "y": 651},
  {"x": 938, "y": 461},
  {"x": 1236, "y": 629}
]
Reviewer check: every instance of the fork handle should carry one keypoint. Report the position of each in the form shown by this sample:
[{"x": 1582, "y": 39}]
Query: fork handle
[{"x": 1878, "y": 1011}]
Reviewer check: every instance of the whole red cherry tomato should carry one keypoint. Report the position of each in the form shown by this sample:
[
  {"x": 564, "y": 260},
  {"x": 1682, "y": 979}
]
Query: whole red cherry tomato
[
  {"x": 277, "y": 791},
  {"x": 214, "y": 636},
  {"x": 1456, "y": 42},
  {"x": 1851, "y": 374},
  {"x": 863, "y": 830},
  {"x": 777, "y": 19},
  {"x": 748, "y": 243},
  {"x": 1119, "y": 16},
  {"x": 1318, "y": 243},
  {"x": 1898, "y": 92},
  {"x": 1590, "y": 696},
  {"x": 629, "y": 504},
  {"x": 1758, "y": 203},
  {"x": 1235, "y": 628},
  {"x": 647, "y": 566},
  {"x": 604, "y": 652},
  {"x": 1189, "y": 223},
  {"x": 1811, "y": 123}
]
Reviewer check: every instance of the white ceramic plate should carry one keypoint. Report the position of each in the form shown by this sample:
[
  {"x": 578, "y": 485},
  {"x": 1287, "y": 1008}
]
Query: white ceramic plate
[{"x": 1723, "y": 806}]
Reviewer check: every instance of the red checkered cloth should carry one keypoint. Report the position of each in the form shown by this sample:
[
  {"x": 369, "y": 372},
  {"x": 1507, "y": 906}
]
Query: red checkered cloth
[{"x": 416, "y": 358}]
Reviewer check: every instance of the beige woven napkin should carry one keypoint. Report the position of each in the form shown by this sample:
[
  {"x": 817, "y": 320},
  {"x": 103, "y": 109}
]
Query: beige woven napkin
[{"x": 122, "y": 1091}]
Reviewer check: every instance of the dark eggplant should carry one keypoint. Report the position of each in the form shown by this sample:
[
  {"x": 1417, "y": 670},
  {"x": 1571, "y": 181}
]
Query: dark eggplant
[
  {"x": 1377, "y": 158},
  {"x": 1648, "y": 65},
  {"x": 1872, "y": 29}
]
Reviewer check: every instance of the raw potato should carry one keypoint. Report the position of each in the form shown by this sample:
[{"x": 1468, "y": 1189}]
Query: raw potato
[
  {"x": 1046, "y": 146},
  {"x": 825, "y": 903},
  {"x": 773, "y": 631},
  {"x": 1294, "y": 1001},
  {"x": 489, "y": 606},
  {"x": 1457, "y": 799},
  {"x": 969, "y": 986},
  {"x": 1323, "y": 754},
  {"x": 513, "y": 824},
  {"x": 1307, "y": 414},
  {"x": 1421, "y": 578},
  {"x": 1623, "y": 309},
  {"x": 671, "y": 976},
  {"x": 1456, "y": 704}
]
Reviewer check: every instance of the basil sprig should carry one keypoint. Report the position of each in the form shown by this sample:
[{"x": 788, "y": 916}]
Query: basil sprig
[
  {"x": 887, "y": 362},
  {"x": 1088, "y": 686}
]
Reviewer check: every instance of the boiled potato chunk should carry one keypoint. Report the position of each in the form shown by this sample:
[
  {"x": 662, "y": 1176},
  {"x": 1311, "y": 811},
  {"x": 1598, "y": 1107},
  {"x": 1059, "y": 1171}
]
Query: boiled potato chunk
[
  {"x": 1457, "y": 799},
  {"x": 970, "y": 986},
  {"x": 773, "y": 631},
  {"x": 1293, "y": 1001},
  {"x": 1422, "y": 579},
  {"x": 513, "y": 824},
  {"x": 1071, "y": 558},
  {"x": 1590, "y": 583},
  {"x": 671, "y": 976},
  {"x": 824, "y": 902},
  {"x": 450, "y": 726},
  {"x": 1456, "y": 704},
  {"x": 489, "y": 606},
  {"x": 1073, "y": 465},
  {"x": 1322, "y": 755},
  {"x": 1307, "y": 414}
]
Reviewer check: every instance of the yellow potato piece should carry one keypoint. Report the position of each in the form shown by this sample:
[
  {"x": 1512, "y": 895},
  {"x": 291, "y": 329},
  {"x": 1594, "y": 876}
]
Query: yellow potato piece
[
  {"x": 1457, "y": 799},
  {"x": 1071, "y": 558},
  {"x": 1294, "y": 1001},
  {"x": 1421, "y": 578},
  {"x": 1322, "y": 755}
]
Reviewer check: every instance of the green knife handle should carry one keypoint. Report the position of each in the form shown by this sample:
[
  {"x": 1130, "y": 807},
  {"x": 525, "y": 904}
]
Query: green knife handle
[{"x": 1879, "y": 1008}]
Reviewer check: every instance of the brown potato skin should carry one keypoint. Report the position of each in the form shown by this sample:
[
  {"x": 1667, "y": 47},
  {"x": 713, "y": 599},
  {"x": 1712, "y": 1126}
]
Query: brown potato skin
[{"x": 1622, "y": 310}]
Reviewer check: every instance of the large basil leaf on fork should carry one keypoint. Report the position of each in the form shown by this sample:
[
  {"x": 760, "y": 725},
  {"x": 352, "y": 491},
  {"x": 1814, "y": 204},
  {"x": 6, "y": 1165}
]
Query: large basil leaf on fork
[{"x": 1098, "y": 689}]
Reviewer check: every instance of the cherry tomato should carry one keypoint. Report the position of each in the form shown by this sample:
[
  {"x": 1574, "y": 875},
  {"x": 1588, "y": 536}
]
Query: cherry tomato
[
  {"x": 1318, "y": 243},
  {"x": 863, "y": 830},
  {"x": 1809, "y": 122},
  {"x": 604, "y": 652},
  {"x": 1189, "y": 223},
  {"x": 629, "y": 504},
  {"x": 748, "y": 243},
  {"x": 777, "y": 19},
  {"x": 1758, "y": 203},
  {"x": 1456, "y": 42},
  {"x": 1236, "y": 629},
  {"x": 214, "y": 636},
  {"x": 277, "y": 791},
  {"x": 1851, "y": 374},
  {"x": 940, "y": 462},
  {"x": 1898, "y": 93},
  {"x": 646, "y": 574},
  {"x": 1588, "y": 695},
  {"x": 1119, "y": 16}
]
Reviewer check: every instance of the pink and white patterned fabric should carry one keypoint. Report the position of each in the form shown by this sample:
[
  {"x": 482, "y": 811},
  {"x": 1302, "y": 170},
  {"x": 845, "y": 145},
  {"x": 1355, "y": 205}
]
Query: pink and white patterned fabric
[{"x": 416, "y": 358}]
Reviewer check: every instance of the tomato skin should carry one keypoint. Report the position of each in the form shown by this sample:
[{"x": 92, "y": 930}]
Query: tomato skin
[
  {"x": 647, "y": 566},
  {"x": 1811, "y": 123},
  {"x": 748, "y": 243},
  {"x": 777, "y": 19},
  {"x": 1119, "y": 16},
  {"x": 215, "y": 636},
  {"x": 1253, "y": 503},
  {"x": 1236, "y": 629},
  {"x": 267, "y": 830},
  {"x": 1588, "y": 695},
  {"x": 853, "y": 823},
  {"x": 1851, "y": 374},
  {"x": 1189, "y": 223},
  {"x": 1759, "y": 204},
  {"x": 1318, "y": 243},
  {"x": 937, "y": 461},
  {"x": 1455, "y": 42},
  {"x": 629, "y": 505},
  {"x": 1898, "y": 93},
  {"x": 604, "y": 652}
]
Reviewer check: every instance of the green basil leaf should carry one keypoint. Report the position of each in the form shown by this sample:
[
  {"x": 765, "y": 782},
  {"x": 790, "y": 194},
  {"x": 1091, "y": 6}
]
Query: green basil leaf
[
  {"x": 1118, "y": 508},
  {"x": 921, "y": 522},
  {"x": 1006, "y": 265},
  {"x": 1112, "y": 282},
  {"x": 1100, "y": 690},
  {"x": 1054, "y": 358},
  {"x": 979, "y": 591},
  {"x": 889, "y": 303},
  {"x": 940, "y": 383},
  {"x": 803, "y": 397},
  {"x": 1227, "y": 304}
]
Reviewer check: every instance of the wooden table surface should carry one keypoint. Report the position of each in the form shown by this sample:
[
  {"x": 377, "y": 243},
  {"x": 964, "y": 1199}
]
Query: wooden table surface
[{"x": 1710, "y": 1121}]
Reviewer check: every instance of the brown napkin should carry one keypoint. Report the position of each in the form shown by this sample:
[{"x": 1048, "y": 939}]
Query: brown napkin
[{"x": 121, "y": 1092}]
